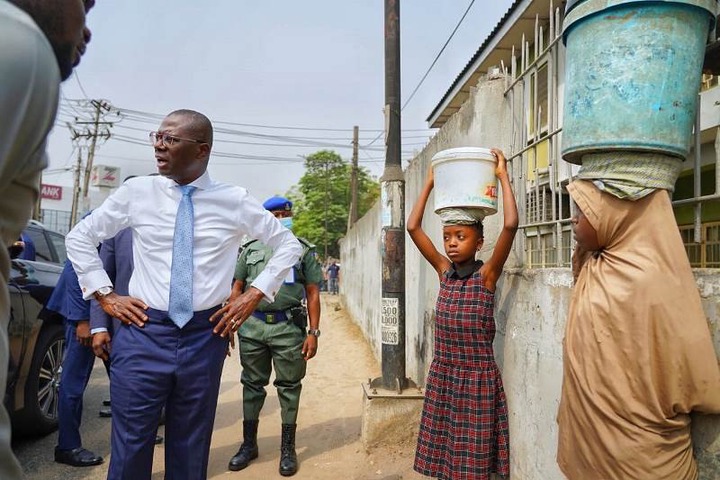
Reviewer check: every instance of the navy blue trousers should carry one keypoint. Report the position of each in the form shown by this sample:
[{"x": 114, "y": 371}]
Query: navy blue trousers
[
  {"x": 161, "y": 365},
  {"x": 77, "y": 366}
]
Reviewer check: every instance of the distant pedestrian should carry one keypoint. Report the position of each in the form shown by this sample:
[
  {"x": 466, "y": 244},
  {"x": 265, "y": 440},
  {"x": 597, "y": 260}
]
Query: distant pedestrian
[
  {"x": 464, "y": 425},
  {"x": 40, "y": 44},
  {"x": 276, "y": 335},
  {"x": 171, "y": 346},
  {"x": 333, "y": 275}
]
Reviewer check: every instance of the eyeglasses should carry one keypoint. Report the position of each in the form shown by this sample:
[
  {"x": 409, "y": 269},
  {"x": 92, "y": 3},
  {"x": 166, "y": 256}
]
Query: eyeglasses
[{"x": 166, "y": 139}]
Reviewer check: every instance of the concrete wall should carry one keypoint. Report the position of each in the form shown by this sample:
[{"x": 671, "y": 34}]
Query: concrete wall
[
  {"x": 361, "y": 282},
  {"x": 531, "y": 304}
]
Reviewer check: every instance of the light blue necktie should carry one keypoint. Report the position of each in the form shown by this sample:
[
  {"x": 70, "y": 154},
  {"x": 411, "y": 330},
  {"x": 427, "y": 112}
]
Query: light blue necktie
[{"x": 180, "y": 310}]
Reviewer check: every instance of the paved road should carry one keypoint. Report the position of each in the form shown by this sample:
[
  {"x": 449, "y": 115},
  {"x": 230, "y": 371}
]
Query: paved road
[{"x": 328, "y": 438}]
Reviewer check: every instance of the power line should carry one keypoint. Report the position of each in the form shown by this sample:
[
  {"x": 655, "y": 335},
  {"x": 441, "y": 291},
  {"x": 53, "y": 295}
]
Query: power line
[
  {"x": 308, "y": 140},
  {"x": 438, "y": 55},
  {"x": 77, "y": 78},
  {"x": 157, "y": 116},
  {"x": 422, "y": 80}
]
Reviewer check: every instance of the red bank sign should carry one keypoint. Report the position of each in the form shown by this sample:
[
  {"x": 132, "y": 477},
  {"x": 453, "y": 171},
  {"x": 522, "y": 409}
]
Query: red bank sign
[{"x": 51, "y": 192}]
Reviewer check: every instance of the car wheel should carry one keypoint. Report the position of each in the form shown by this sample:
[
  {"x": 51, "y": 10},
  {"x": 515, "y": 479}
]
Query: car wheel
[{"x": 40, "y": 414}]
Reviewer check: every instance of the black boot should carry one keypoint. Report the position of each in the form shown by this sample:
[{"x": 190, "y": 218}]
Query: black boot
[
  {"x": 288, "y": 457},
  {"x": 249, "y": 449}
]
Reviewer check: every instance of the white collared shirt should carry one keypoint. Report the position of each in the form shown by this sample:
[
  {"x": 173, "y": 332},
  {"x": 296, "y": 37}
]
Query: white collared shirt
[{"x": 223, "y": 214}]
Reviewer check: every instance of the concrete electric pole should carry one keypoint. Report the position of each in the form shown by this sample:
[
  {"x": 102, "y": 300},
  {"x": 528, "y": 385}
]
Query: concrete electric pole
[
  {"x": 353, "y": 216},
  {"x": 392, "y": 191}
]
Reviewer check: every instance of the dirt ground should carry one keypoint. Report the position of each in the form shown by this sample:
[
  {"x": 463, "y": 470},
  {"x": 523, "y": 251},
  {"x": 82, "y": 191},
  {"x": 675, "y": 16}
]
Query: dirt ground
[{"x": 328, "y": 436}]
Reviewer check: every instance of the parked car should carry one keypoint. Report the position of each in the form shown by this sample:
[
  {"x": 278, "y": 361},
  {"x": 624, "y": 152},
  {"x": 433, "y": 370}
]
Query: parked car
[
  {"x": 46, "y": 245},
  {"x": 36, "y": 335}
]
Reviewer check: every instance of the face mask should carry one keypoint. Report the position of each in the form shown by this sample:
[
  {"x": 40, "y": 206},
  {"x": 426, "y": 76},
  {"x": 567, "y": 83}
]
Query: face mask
[{"x": 286, "y": 222}]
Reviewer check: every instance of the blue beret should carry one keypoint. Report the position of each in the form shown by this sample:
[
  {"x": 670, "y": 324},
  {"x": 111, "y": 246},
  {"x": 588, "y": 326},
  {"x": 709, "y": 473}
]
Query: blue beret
[{"x": 277, "y": 203}]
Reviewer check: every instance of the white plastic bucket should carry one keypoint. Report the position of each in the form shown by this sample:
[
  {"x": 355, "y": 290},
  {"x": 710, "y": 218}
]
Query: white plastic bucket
[{"x": 465, "y": 178}]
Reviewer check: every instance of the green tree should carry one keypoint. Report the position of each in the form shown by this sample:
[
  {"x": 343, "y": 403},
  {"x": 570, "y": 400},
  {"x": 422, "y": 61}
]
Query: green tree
[{"x": 322, "y": 200}]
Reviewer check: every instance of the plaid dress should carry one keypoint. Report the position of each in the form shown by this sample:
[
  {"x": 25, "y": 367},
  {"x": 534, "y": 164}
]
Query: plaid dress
[{"x": 464, "y": 427}]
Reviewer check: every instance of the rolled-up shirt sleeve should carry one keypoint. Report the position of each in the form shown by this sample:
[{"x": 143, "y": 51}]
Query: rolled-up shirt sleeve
[
  {"x": 287, "y": 250},
  {"x": 82, "y": 241}
]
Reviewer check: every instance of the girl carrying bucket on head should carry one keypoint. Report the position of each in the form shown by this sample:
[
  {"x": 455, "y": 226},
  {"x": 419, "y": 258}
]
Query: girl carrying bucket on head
[{"x": 464, "y": 426}]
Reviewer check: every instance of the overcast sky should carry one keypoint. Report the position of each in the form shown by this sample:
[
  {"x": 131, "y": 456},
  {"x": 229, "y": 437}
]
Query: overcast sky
[{"x": 314, "y": 65}]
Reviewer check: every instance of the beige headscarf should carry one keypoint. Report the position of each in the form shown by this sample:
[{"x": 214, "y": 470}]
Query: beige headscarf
[{"x": 637, "y": 353}]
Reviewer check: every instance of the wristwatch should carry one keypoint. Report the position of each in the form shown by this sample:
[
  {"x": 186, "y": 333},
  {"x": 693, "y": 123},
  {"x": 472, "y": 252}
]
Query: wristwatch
[
  {"x": 314, "y": 331},
  {"x": 103, "y": 292}
]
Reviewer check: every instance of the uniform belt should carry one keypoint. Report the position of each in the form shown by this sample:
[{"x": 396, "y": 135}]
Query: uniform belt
[{"x": 272, "y": 317}]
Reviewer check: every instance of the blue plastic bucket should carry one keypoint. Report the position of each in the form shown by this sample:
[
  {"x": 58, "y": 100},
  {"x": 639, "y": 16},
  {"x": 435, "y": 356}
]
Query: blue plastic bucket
[{"x": 632, "y": 75}]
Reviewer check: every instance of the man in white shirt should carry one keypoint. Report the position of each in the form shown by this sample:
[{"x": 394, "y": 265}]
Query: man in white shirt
[
  {"x": 170, "y": 348},
  {"x": 40, "y": 43}
]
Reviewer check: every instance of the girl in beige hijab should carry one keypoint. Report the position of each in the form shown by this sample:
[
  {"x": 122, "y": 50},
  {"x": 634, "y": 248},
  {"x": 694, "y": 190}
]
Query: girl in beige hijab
[{"x": 638, "y": 356}]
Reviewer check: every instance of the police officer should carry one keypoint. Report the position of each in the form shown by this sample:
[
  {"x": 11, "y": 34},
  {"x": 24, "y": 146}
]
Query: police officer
[{"x": 276, "y": 335}]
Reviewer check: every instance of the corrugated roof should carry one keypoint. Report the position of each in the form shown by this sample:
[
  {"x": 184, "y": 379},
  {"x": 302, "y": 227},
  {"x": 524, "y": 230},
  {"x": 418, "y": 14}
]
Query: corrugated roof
[{"x": 475, "y": 57}]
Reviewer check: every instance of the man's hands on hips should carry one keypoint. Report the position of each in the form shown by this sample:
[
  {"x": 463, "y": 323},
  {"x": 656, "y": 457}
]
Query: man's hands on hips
[
  {"x": 236, "y": 311},
  {"x": 129, "y": 310}
]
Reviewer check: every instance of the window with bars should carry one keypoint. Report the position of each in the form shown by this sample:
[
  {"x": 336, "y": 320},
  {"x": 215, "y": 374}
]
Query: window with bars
[
  {"x": 706, "y": 252},
  {"x": 547, "y": 248},
  {"x": 539, "y": 174},
  {"x": 537, "y": 103}
]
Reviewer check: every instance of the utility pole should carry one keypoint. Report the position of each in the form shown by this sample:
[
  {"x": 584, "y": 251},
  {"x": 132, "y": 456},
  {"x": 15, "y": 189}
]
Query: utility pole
[
  {"x": 392, "y": 191},
  {"x": 354, "y": 179},
  {"x": 76, "y": 190},
  {"x": 38, "y": 203},
  {"x": 100, "y": 107},
  {"x": 91, "y": 131},
  {"x": 327, "y": 204}
]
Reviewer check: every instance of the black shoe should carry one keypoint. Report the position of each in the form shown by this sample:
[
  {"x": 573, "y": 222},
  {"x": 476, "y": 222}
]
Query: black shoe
[
  {"x": 158, "y": 439},
  {"x": 288, "y": 457},
  {"x": 249, "y": 448},
  {"x": 77, "y": 457},
  {"x": 106, "y": 403},
  {"x": 243, "y": 457},
  {"x": 105, "y": 412}
]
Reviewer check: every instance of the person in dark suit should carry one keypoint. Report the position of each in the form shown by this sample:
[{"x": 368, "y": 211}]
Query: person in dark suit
[
  {"x": 178, "y": 316},
  {"x": 78, "y": 361},
  {"x": 116, "y": 256},
  {"x": 28, "y": 247}
]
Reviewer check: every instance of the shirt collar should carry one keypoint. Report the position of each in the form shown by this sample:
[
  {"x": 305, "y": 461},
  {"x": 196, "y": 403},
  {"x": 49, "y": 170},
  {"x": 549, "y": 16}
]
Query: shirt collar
[
  {"x": 465, "y": 271},
  {"x": 203, "y": 182}
]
